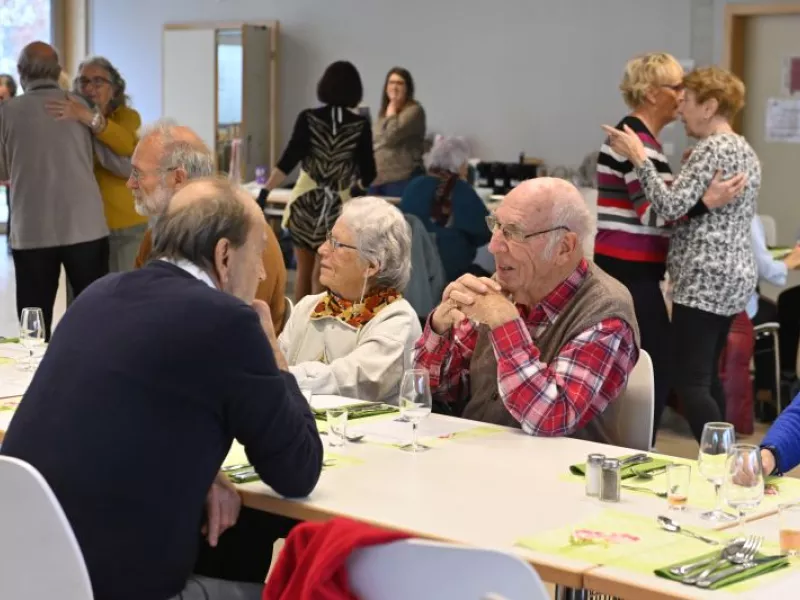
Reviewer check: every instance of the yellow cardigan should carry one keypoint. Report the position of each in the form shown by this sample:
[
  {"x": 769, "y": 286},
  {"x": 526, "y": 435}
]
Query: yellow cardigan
[{"x": 120, "y": 135}]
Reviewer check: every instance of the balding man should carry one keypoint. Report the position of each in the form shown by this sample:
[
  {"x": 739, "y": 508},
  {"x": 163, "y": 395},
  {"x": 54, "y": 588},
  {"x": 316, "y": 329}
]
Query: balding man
[
  {"x": 131, "y": 435},
  {"x": 547, "y": 343},
  {"x": 167, "y": 156},
  {"x": 58, "y": 217}
]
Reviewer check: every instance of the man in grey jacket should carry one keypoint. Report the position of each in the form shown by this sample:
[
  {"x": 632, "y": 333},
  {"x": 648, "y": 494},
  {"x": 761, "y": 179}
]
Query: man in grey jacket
[{"x": 57, "y": 210}]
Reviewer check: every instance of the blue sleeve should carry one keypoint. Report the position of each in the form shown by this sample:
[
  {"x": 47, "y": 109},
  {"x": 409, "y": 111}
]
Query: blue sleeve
[
  {"x": 784, "y": 435},
  {"x": 469, "y": 214},
  {"x": 416, "y": 200},
  {"x": 769, "y": 269}
]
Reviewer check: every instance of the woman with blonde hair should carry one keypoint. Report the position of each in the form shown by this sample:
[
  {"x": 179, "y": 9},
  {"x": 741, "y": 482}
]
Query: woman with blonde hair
[
  {"x": 633, "y": 234},
  {"x": 711, "y": 262}
]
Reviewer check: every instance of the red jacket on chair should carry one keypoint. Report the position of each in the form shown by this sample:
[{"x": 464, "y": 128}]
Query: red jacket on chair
[{"x": 313, "y": 563}]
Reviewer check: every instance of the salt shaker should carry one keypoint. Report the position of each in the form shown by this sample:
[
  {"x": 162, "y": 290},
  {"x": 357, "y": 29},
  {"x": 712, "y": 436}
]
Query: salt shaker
[
  {"x": 594, "y": 465},
  {"x": 610, "y": 480}
]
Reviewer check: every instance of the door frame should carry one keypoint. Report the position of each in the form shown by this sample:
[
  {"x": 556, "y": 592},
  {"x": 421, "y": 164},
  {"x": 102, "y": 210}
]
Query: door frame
[
  {"x": 737, "y": 17},
  {"x": 272, "y": 56}
]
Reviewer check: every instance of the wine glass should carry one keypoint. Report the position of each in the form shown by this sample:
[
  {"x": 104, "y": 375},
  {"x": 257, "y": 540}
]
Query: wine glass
[
  {"x": 743, "y": 487},
  {"x": 415, "y": 403},
  {"x": 715, "y": 443},
  {"x": 31, "y": 332}
]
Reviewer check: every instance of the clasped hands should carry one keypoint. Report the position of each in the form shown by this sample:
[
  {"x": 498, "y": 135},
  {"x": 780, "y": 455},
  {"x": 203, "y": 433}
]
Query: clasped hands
[{"x": 479, "y": 299}]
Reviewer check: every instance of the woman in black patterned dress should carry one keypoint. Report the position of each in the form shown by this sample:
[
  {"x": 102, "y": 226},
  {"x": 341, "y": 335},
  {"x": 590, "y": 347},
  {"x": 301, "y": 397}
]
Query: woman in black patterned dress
[{"x": 333, "y": 145}]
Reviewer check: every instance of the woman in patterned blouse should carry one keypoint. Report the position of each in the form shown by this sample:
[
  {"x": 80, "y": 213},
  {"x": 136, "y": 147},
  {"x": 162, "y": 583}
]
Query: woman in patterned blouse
[{"x": 710, "y": 260}]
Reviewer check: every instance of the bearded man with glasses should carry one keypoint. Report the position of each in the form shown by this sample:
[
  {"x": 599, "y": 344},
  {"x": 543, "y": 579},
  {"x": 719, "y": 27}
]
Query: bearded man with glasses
[{"x": 547, "y": 343}]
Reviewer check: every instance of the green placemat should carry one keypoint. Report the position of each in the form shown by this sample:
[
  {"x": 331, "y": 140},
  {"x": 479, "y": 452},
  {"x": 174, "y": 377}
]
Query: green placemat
[
  {"x": 611, "y": 535},
  {"x": 330, "y": 461},
  {"x": 731, "y": 579},
  {"x": 779, "y": 253},
  {"x": 358, "y": 411},
  {"x": 630, "y": 471},
  {"x": 5, "y": 340}
]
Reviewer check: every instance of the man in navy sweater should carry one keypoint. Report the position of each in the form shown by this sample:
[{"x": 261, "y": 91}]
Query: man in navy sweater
[{"x": 149, "y": 378}]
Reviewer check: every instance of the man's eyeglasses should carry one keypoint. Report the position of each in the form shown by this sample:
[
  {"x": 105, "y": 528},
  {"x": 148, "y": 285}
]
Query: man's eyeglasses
[
  {"x": 336, "y": 244},
  {"x": 137, "y": 175},
  {"x": 97, "y": 82},
  {"x": 512, "y": 234}
]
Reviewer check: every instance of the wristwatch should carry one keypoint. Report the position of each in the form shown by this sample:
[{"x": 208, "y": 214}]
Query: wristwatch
[
  {"x": 774, "y": 451},
  {"x": 97, "y": 122}
]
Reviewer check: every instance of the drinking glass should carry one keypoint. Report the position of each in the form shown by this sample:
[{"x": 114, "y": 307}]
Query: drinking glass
[
  {"x": 31, "y": 332},
  {"x": 415, "y": 403},
  {"x": 743, "y": 486},
  {"x": 678, "y": 478},
  {"x": 337, "y": 426},
  {"x": 715, "y": 443},
  {"x": 790, "y": 528}
]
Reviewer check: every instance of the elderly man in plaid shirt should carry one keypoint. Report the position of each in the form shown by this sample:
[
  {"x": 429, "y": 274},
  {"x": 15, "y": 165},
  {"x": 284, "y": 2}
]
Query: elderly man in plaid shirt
[{"x": 549, "y": 341}]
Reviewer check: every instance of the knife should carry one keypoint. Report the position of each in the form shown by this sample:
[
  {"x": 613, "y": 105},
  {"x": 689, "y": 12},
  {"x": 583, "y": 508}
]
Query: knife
[{"x": 719, "y": 575}]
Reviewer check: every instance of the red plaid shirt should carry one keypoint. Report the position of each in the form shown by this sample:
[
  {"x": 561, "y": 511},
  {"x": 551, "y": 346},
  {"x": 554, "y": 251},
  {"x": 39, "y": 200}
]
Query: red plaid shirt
[{"x": 547, "y": 399}]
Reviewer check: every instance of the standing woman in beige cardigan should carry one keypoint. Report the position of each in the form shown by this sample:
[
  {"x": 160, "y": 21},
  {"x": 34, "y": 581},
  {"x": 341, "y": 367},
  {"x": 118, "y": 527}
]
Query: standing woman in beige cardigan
[{"x": 399, "y": 135}]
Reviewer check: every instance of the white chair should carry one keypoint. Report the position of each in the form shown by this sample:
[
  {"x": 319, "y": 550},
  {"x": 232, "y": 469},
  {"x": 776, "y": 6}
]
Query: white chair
[
  {"x": 631, "y": 415},
  {"x": 39, "y": 555},
  {"x": 770, "y": 230},
  {"x": 432, "y": 571}
]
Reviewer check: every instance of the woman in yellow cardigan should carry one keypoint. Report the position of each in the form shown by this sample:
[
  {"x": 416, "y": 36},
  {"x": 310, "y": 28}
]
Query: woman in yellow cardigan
[{"x": 116, "y": 125}]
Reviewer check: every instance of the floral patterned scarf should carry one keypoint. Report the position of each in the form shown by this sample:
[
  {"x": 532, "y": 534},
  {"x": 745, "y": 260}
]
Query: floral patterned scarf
[{"x": 355, "y": 314}]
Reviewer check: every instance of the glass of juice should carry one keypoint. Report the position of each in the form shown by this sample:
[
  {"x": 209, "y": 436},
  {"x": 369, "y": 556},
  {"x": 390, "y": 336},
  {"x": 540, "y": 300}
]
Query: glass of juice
[
  {"x": 678, "y": 477},
  {"x": 789, "y": 514}
]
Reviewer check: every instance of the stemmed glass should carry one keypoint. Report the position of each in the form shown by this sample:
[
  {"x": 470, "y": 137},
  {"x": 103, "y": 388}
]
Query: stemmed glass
[
  {"x": 743, "y": 487},
  {"x": 31, "y": 332},
  {"x": 415, "y": 403},
  {"x": 715, "y": 443}
]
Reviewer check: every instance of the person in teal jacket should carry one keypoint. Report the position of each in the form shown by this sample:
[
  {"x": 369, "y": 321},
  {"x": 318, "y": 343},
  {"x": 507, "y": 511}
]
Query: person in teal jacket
[{"x": 449, "y": 207}]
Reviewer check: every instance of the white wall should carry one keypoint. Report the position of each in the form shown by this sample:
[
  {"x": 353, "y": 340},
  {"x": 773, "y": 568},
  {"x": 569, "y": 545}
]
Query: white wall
[{"x": 512, "y": 75}]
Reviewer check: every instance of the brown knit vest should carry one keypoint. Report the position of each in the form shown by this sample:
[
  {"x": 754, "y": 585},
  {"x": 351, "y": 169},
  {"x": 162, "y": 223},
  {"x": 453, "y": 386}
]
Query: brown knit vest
[{"x": 599, "y": 297}]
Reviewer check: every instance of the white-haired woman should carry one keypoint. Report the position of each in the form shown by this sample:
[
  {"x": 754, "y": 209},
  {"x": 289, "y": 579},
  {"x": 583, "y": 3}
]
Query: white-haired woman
[
  {"x": 115, "y": 125},
  {"x": 449, "y": 207},
  {"x": 356, "y": 339}
]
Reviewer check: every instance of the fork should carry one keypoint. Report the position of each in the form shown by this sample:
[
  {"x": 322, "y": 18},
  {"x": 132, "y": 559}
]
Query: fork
[
  {"x": 750, "y": 542},
  {"x": 741, "y": 561}
]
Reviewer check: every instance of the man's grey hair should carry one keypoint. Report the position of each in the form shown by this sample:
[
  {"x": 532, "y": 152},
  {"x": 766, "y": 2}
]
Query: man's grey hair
[
  {"x": 196, "y": 159},
  {"x": 31, "y": 66},
  {"x": 118, "y": 97},
  {"x": 448, "y": 154},
  {"x": 193, "y": 231},
  {"x": 570, "y": 211},
  {"x": 383, "y": 238}
]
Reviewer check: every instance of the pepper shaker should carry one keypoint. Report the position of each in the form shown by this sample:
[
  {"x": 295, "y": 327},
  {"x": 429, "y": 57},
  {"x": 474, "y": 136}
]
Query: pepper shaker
[
  {"x": 610, "y": 480},
  {"x": 594, "y": 466}
]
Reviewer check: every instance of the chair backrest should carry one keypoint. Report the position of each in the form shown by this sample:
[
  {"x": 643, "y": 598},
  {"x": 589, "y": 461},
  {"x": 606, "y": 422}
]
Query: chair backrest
[
  {"x": 770, "y": 230},
  {"x": 39, "y": 555},
  {"x": 631, "y": 415},
  {"x": 432, "y": 571}
]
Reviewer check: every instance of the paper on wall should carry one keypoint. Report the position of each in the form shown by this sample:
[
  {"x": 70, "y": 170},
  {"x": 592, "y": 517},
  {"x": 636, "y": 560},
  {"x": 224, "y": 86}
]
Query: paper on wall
[{"x": 783, "y": 120}]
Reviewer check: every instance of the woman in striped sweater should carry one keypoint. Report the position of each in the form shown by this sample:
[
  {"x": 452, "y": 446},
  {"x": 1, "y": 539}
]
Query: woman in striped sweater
[{"x": 632, "y": 238}]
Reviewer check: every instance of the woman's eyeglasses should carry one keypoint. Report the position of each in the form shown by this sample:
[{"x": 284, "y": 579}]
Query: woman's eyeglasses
[
  {"x": 97, "y": 82},
  {"x": 336, "y": 244},
  {"x": 511, "y": 233}
]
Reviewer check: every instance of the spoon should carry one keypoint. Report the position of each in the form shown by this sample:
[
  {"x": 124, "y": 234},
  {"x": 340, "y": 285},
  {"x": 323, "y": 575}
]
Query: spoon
[
  {"x": 729, "y": 550},
  {"x": 638, "y": 488},
  {"x": 669, "y": 525},
  {"x": 354, "y": 439}
]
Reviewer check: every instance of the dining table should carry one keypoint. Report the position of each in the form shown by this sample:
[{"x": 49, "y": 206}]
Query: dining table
[{"x": 496, "y": 487}]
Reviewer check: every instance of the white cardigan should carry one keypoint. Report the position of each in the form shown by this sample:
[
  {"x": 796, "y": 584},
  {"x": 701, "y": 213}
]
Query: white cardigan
[{"x": 332, "y": 357}]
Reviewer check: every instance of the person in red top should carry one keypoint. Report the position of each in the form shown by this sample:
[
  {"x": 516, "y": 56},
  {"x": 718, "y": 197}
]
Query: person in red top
[
  {"x": 548, "y": 343},
  {"x": 632, "y": 237}
]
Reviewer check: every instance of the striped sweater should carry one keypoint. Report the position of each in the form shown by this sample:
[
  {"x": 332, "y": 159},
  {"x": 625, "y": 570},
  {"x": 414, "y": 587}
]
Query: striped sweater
[{"x": 628, "y": 228}]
